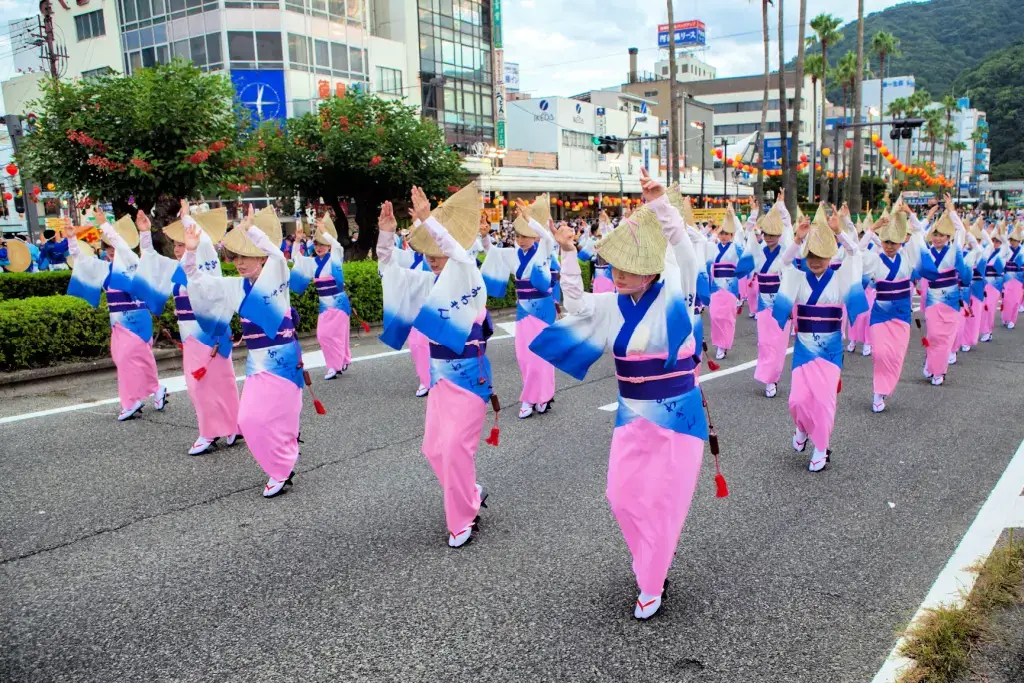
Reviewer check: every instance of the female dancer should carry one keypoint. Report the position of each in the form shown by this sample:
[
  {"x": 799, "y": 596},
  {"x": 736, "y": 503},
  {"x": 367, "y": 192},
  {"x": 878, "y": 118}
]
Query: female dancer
[
  {"x": 727, "y": 262},
  {"x": 655, "y": 454},
  {"x": 131, "y": 325},
  {"x": 206, "y": 360},
  {"x": 819, "y": 293},
  {"x": 1013, "y": 278},
  {"x": 535, "y": 308},
  {"x": 326, "y": 271},
  {"x": 449, "y": 306},
  {"x": 271, "y": 404}
]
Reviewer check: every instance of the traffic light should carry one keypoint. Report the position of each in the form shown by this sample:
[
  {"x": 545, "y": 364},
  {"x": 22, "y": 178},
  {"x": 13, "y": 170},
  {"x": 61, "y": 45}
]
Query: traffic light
[{"x": 608, "y": 144}]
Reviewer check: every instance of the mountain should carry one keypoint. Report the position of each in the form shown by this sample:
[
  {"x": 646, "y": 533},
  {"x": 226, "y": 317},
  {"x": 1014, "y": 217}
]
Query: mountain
[
  {"x": 939, "y": 39},
  {"x": 996, "y": 87}
]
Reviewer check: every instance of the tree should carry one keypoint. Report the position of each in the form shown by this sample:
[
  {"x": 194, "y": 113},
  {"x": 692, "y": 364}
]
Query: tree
[
  {"x": 759, "y": 190},
  {"x": 858, "y": 139},
  {"x": 825, "y": 27},
  {"x": 897, "y": 108},
  {"x": 362, "y": 147},
  {"x": 959, "y": 148},
  {"x": 784, "y": 143},
  {"x": 884, "y": 45},
  {"x": 794, "y": 146},
  {"x": 933, "y": 128},
  {"x": 159, "y": 135},
  {"x": 815, "y": 66},
  {"x": 950, "y": 104}
]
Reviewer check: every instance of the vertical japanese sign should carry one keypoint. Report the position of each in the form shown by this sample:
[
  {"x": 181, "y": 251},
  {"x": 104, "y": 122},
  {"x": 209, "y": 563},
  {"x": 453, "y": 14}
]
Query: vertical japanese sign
[{"x": 499, "y": 76}]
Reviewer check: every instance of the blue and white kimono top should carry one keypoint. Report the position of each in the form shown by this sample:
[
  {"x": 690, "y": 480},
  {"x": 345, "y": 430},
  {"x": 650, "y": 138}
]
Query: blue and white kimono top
[
  {"x": 532, "y": 270},
  {"x": 893, "y": 279},
  {"x": 450, "y": 309},
  {"x": 945, "y": 269},
  {"x": 159, "y": 277},
  {"x": 819, "y": 303},
  {"x": 770, "y": 263},
  {"x": 989, "y": 267},
  {"x": 645, "y": 336},
  {"x": 1014, "y": 260},
  {"x": 268, "y": 329},
  {"x": 327, "y": 273},
  {"x": 92, "y": 276},
  {"x": 728, "y": 263}
]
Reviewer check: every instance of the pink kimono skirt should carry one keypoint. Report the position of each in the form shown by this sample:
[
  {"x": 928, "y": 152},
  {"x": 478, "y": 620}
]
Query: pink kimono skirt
[
  {"x": 988, "y": 309},
  {"x": 136, "y": 368},
  {"x": 860, "y": 330},
  {"x": 812, "y": 400},
  {"x": 889, "y": 343},
  {"x": 538, "y": 374},
  {"x": 1013, "y": 291},
  {"x": 723, "y": 318},
  {"x": 943, "y": 328},
  {"x": 268, "y": 417},
  {"x": 332, "y": 331},
  {"x": 652, "y": 474},
  {"x": 970, "y": 329},
  {"x": 455, "y": 420},
  {"x": 215, "y": 395},
  {"x": 771, "y": 348},
  {"x": 419, "y": 349}
]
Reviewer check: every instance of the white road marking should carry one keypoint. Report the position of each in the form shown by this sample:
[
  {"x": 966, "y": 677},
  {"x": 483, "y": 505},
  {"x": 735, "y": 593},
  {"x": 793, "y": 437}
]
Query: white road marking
[
  {"x": 1002, "y": 509},
  {"x": 176, "y": 384},
  {"x": 704, "y": 378},
  {"x": 510, "y": 328}
]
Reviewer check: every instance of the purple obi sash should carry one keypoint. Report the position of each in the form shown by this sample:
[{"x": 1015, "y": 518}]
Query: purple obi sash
[
  {"x": 835, "y": 266},
  {"x": 476, "y": 346},
  {"x": 525, "y": 290},
  {"x": 768, "y": 283},
  {"x": 818, "y": 319},
  {"x": 723, "y": 270},
  {"x": 990, "y": 271},
  {"x": 255, "y": 339},
  {"x": 1012, "y": 267},
  {"x": 328, "y": 286},
  {"x": 183, "y": 307},
  {"x": 648, "y": 380},
  {"x": 946, "y": 278},
  {"x": 892, "y": 290},
  {"x": 556, "y": 276},
  {"x": 122, "y": 302}
]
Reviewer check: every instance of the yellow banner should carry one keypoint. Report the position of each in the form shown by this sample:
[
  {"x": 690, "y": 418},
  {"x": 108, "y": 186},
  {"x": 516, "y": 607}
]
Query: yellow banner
[
  {"x": 493, "y": 214},
  {"x": 716, "y": 215},
  {"x": 88, "y": 234}
]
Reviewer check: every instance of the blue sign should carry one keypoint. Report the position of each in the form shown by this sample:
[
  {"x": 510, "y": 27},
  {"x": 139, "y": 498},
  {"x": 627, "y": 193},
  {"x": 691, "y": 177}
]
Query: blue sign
[
  {"x": 685, "y": 37},
  {"x": 964, "y": 103},
  {"x": 773, "y": 153},
  {"x": 262, "y": 93},
  {"x": 643, "y": 107}
]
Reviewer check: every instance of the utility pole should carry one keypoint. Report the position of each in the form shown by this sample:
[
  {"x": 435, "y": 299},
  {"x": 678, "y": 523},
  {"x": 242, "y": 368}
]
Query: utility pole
[
  {"x": 673, "y": 121},
  {"x": 52, "y": 56}
]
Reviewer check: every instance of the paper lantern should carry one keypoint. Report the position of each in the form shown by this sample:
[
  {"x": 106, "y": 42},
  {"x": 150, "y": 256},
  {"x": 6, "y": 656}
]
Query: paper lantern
[
  {"x": 554, "y": 200},
  {"x": 738, "y": 158},
  {"x": 883, "y": 150},
  {"x": 504, "y": 202},
  {"x": 11, "y": 169},
  {"x": 718, "y": 154},
  {"x": 825, "y": 152},
  {"x": 8, "y": 196},
  {"x": 559, "y": 202},
  {"x": 875, "y": 138},
  {"x": 803, "y": 158},
  {"x": 848, "y": 144}
]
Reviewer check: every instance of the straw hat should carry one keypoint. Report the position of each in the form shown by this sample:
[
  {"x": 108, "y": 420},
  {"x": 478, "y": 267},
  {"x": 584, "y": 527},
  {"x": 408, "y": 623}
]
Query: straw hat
[
  {"x": 237, "y": 240},
  {"x": 682, "y": 204},
  {"x": 84, "y": 248},
  {"x": 637, "y": 245},
  {"x": 214, "y": 223},
  {"x": 821, "y": 241},
  {"x": 125, "y": 227},
  {"x": 896, "y": 229},
  {"x": 540, "y": 211},
  {"x": 799, "y": 215},
  {"x": 1018, "y": 232},
  {"x": 729, "y": 225},
  {"x": 329, "y": 229},
  {"x": 978, "y": 229},
  {"x": 18, "y": 255},
  {"x": 460, "y": 215},
  {"x": 771, "y": 223}
]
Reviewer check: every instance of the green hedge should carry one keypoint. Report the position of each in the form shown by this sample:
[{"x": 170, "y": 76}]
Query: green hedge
[{"x": 45, "y": 330}]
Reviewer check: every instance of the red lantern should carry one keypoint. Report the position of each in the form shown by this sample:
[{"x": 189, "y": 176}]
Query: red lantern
[
  {"x": 883, "y": 150},
  {"x": 8, "y": 196},
  {"x": 36, "y": 191},
  {"x": 803, "y": 158},
  {"x": 11, "y": 169},
  {"x": 504, "y": 202},
  {"x": 560, "y": 202},
  {"x": 718, "y": 154},
  {"x": 848, "y": 144}
]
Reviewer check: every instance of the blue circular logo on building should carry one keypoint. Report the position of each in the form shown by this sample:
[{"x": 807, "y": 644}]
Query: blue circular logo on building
[
  {"x": 262, "y": 99},
  {"x": 543, "y": 105},
  {"x": 579, "y": 108}
]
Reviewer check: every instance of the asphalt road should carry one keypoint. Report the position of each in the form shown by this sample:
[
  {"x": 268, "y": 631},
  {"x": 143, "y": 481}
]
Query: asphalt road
[{"x": 123, "y": 559}]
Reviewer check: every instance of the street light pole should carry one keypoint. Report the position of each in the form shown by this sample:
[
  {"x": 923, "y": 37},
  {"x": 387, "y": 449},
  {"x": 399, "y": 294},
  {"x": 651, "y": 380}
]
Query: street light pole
[
  {"x": 725, "y": 168},
  {"x": 703, "y": 154}
]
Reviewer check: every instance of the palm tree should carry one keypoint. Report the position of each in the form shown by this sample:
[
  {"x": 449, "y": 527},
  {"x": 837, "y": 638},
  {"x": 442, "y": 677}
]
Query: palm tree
[
  {"x": 858, "y": 140},
  {"x": 814, "y": 66},
  {"x": 959, "y": 148},
  {"x": 783, "y": 110},
  {"x": 884, "y": 45},
  {"x": 896, "y": 110},
  {"x": 794, "y": 146},
  {"x": 764, "y": 103},
  {"x": 950, "y": 104},
  {"x": 917, "y": 103},
  {"x": 825, "y": 27},
  {"x": 933, "y": 128}
]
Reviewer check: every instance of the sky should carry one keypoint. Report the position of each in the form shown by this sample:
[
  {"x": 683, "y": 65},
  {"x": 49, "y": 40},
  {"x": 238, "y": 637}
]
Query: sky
[{"x": 565, "y": 47}]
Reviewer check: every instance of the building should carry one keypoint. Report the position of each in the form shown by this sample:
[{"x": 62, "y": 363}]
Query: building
[{"x": 689, "y": 67}]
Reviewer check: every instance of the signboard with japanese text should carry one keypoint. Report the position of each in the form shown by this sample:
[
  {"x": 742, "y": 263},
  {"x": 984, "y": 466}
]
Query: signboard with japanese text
[
  {"x": 688, "y": 34},
  {"x": 511, "y": 77},
  {"x": 496, "y": 18},
  {"x": 716, "y": 215}
]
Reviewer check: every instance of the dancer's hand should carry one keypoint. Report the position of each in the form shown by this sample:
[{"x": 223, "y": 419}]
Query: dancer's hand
[
  {"x": 420, "y": 205},
  {"x": 142, "y": 222},
  {"x": 650, "y": 187},
  {"x": 565, "y": 237},
  {"x": 192, "y": 232},
  {"x": 386, "y": 221},
  {"x": 68, "y": 230},
  {"x": 485, "y": 226}
]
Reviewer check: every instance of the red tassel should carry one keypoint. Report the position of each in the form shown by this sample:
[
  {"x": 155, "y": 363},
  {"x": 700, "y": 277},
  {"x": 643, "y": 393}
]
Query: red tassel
[
  {"x": 366, "y": 326},
  {"x": 925, "y": 343},
  {"x": 839, "y": 388},
  {"x": 721, "y": 488},
  {"x": 712, "y": 365},
  {"x": 200, "y": 373},
  {"x": 319, "y": 407},
  {"x": 493, "y": 438}
]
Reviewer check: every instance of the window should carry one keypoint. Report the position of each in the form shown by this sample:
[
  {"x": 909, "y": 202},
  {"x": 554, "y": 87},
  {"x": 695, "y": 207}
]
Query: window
[
  {"x": 651, "y": 93},
  {"x": 298, "y": 50},
  {"x": 246, "y": 47},
  {"x": 268, "y": 46},
  {"x": 356, "y": 61},
  {"x": 685, "y": 68},
  {"x": 90, "y": 25},
  {"x": 339, "y": 57},
  {"x": 664, "y": 71},
  {"x": 92, "y": 73},
  {"x": 241, "y": 47},
  {"x": 572, "y": 138},
  {"x": 389, "y": 81},
  {"x": 322, "y": 51}
]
